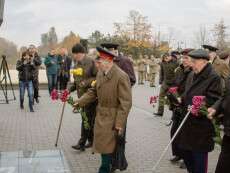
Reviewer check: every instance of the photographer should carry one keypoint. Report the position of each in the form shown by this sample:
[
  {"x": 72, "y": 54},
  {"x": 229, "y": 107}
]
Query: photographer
[
  {"x": 37, "y": 62},
  {"x": 25, "y": 67}
]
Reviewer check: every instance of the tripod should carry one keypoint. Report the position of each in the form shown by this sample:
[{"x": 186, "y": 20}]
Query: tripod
[{"x": 4, "y": 78}]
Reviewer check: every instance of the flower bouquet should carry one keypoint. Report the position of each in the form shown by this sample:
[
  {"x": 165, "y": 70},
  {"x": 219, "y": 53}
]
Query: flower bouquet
[
  {"x": 153, "y": 100},
  {"x": 198, "y": 109},
  {"x": 65, "y": 97},
  {"x": 77, "y": 71},
  {"x": 173, "y": 97}
]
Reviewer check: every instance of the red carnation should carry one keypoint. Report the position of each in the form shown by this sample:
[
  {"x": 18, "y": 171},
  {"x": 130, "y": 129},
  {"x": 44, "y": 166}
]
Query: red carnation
[
  {"x": 54, "y": 94},
  {"x": 173, "y": 90},
  {"x": 64, "y": 95},
  {"x": 198, "y": 103}
]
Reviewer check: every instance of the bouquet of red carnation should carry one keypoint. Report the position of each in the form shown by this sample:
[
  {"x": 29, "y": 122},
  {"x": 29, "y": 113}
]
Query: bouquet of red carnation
[
  {"x": 64, "y": 96},
  {"x": 173, "y": 96},
  {"x": 153, "y": 100},
  {"x": 54, "y": 95},
  {"x": 199, "y": 108}
]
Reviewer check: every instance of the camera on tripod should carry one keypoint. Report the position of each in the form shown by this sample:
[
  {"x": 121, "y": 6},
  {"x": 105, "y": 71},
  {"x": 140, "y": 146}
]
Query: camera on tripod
[{"x": 5, "y": 80}]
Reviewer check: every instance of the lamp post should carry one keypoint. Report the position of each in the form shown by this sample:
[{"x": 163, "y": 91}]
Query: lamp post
[{"x": 2, "y": 2}]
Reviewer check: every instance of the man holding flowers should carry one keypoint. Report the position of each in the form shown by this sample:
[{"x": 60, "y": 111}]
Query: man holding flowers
[
  {"x": 84, "y": 74},
  {"x": 196, "y": 137}
]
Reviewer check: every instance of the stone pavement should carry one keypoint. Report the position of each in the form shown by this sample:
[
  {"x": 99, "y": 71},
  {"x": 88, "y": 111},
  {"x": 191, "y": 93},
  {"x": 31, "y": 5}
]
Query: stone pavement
[{"x": 146, "y": 135}]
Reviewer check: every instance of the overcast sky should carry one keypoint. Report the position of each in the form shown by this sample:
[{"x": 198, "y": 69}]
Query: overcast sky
[{"x": 25, "y": 20}]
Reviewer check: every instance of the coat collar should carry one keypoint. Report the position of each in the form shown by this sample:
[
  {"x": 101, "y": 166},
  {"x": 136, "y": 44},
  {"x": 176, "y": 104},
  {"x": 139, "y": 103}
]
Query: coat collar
[
  {"x": 103, "y": 78},
  {"x": 200, "y": 77}
]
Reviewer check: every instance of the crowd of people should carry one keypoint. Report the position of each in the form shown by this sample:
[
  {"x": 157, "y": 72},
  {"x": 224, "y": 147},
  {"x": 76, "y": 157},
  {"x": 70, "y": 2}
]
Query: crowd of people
[
  {"x": 104, "y": 91},
  {"x": 196, "y": 73}
]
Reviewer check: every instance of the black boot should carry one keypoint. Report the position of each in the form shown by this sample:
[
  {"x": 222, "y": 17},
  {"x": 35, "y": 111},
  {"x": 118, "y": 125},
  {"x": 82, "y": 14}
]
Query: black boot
[
  {"x": 89, "y": 145},
  {"x": 37, "y": 100},
  {"x": 21, "y": 104},
  {"x": 158, "y": 114},
  {"x": 175, "y": 159},
  {"x": 79, "y": 147}
]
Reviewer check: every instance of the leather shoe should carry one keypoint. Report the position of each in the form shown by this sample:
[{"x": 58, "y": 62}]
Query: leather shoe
[
  {"x": 158, "y": 114},
  {"x": 89, "y": 145},
  {"x": 175, "y": 159},
  {"x": 78, "y": 147}
]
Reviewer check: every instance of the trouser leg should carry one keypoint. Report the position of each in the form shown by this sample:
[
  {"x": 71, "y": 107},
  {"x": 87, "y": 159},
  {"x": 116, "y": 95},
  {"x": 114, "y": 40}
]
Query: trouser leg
[
  {"x": 224, "y": 158},
  {"x": 174, "y": 127},
  {"x": 91, "y": 114},
  {"x": 188, "y": 160},
  {"x": 22, "y": 92},
  {"x": 139, "y": 77},
  {"x": 30, "y": 94},
  {"x": 161, "y": 100},
  {"x": 49, "y": 77},
  {"x": 105, "y": 163},
  {"x": 200, "y": 162},
  {"x": 36, "y": 88}
]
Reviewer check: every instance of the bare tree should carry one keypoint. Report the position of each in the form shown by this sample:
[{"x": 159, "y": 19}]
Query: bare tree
[
  {"x": 220, "y": 35},
  {"x": 202, "y": 36}
]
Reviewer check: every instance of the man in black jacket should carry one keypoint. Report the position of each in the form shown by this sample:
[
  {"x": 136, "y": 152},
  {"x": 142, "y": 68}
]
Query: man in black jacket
[
  {"x": 25, "y": 67},
  {"x": 222, "y": 106},
  {"x": 196, "y": 135},
  {"x": 65, "y": 63}
]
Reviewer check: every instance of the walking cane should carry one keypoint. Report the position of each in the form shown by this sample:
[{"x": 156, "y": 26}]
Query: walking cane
[
  {"x": 173, "y": 138},
  {"x": 60, "y": 124}
]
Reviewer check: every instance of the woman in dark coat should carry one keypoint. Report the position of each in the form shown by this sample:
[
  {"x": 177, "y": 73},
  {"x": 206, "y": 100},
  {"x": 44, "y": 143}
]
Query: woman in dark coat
[
  {"x": 222, "y": 106},
  {"x": 196, "y": 136}
]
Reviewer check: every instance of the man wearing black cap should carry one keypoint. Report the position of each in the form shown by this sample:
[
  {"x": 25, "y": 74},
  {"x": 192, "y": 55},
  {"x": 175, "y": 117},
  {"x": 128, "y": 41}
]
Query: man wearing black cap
[
  {"x": 219, "y": 65},
  {"x": 196, "y": 135},
  {"x": 82, "y": 82},
  {"x": 113, "y": 91},
  {"x": 123, "y": 62}
]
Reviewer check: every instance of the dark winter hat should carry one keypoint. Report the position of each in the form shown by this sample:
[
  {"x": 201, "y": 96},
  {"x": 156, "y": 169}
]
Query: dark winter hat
[
  {"x": 165, "y": 55},
  {"x": 210, "y": 48},
  {"x": 78, "y": 48},
  {"x": 186, "y": 51},
  {"x": 199, "y": 54},
  {"x": 110, "y": 45}
]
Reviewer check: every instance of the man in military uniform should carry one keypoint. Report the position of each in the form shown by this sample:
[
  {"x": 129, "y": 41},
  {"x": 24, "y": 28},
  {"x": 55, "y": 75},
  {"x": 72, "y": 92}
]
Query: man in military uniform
[
  {"x": 153, "y": 68},
  {"x": 37, "y": 62},
  {"x": 121, "y": 61},
  {"x": 221, "y": 68},
  {"x": 82, "y": 82},
  {"x": 167, "y": 79},
  {"x": 141, "y": 70},
  {"x": 113, "y": 91},
  {"x": 226, "y": 57}
]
